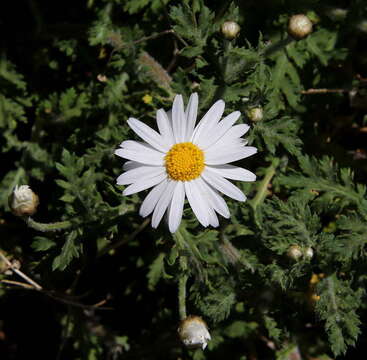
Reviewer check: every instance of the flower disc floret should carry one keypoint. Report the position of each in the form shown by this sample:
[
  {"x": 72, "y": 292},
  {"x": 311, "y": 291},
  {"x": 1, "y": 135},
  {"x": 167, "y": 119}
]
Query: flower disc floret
[{"x": 184, "y": 162}]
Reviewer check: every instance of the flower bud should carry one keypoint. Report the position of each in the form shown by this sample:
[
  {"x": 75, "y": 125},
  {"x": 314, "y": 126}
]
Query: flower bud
[
  {"x": 193, "y": 332},
  {"x": 308, "y": 253},
  {"x": 337, "y": 14},
  {"x": 23, "y": 201},
  {"x": 362, "y": 26},
  {"x": 230, "y": 29},
  {"x": 102, "y": 78},
  {"x": 255, "y": 114},
  {"x": 299, "y": 26},
  {"x": 294, "y": 252}
]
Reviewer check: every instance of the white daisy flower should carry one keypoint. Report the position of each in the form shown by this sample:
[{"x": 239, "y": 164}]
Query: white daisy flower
[{"x": 184, "y": 160}]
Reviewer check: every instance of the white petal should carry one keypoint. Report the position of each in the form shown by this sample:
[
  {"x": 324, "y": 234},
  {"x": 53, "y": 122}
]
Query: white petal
[
  {"x": 145, "y": 156},
  {"x": 216, "y": 201},
  {"x": 137, "y": 145},
  {"x": 233, "y": 134},
  {"x": 191, "y": 114},
  {"x": 213, "y": 221},
  {"x": 141, "y": 172},
  {"x": 178, "y": 119},
  {"x": 233, "y": 172},
  {"x": 223, "y": 185},
  {"x": 148, "y": 134},
  {"x": 144, "y": 184},
  {"x": 219, "y": 130},
  {"x": 222, "y": 156},
  {"x": 129, "y": 165},
  {"x": 203, "y": 188},
  {"x": 152, "y": 198},
  {"x": 176, "y": 207},
  {"x": 165, "y": 127},
  {"x": 197, "y": 202},
  {"x": 208, "y": 121},
  {"x": 163, "y": 203}
]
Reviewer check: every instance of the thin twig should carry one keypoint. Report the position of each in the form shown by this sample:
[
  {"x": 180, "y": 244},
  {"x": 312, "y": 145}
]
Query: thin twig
[
  {"x": 32, "y": 285},
  {"x": 116, "y": 245},
  {"x": 20, "y": 273},
  {"x": 176, "y": 53},
  {"x": 323, "y": 91},
  {"x": 17, "y": 283},
  {"x": 75, "y": 303},
  {"x": 154, "y": 36}
]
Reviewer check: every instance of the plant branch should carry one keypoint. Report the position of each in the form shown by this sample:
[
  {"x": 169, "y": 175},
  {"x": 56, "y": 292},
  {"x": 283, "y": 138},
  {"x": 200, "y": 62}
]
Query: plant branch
[
  {"x": 116, "y": 245},
  {"x": 44, "y": 227},
  {"x": 182, "y": 288},
  {"x": 20, "y": 273},
  {"x": 263, "y": 186},
  {"x": 323, "y": 91},
  {"x": 272, "y": 48}
]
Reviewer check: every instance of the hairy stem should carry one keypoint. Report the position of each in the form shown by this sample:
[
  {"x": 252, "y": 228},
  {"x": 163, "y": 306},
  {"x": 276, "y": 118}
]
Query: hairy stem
[
  {"x": 263, "y": 186},
  {"x": 180, "y": 241},
  {"x": 44, "y": 227},
  {"x": 281, "y": 44},
  {"x": 182, "y": 289}
]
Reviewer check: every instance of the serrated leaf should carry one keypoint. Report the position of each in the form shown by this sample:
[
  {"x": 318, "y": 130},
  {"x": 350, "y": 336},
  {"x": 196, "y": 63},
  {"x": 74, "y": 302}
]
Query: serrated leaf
[
  {"x": 70, "y": 251},
  {"x": 156, "y": 271},
  {"x": 42, "y": 244}
]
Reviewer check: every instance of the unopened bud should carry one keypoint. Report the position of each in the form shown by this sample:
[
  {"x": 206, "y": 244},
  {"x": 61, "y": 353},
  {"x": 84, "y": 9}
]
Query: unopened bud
[
  {"x": 299, "y": 26},
  {"x": 337, "y": 14},
  {"x": 362, "y": 26},
  {"x": 16, "y": 264},
  {"x": 23, "y": 201},
  {"x": 230, "y": 29},
  {"x": 294, "y": 252},
  {"x": 194, "y": 333},
  {"x": 308, "y": 253},
  {"x": 102, "y": 78},
  {"x": 255, "y": 114}
]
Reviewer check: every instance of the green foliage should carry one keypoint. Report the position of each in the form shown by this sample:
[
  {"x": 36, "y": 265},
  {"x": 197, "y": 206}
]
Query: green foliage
[
  {"x": 337, "y": 306},
  {"x": 14, "y": 101},
  {"x": 69, "y": 251},
  {"x": 287, "y": 223},
  {"x": 195, "y": 28},
  {"x": 336, "y": 187}
]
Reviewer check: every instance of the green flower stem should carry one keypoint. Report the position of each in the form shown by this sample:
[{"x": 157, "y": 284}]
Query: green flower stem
[
  {"x": 180, "y": 241},
  {"x": 231, "y": 253},
  {"x": 182, "y": 289},
  {"x": 56, "y": 226},
  {"x": 281, "y": 44},
  {"x": 263, "y": 186}
]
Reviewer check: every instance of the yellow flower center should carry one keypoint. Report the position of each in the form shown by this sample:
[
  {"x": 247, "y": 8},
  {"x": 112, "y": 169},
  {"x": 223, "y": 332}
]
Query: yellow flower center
[{"x": 184, "y": 162}]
